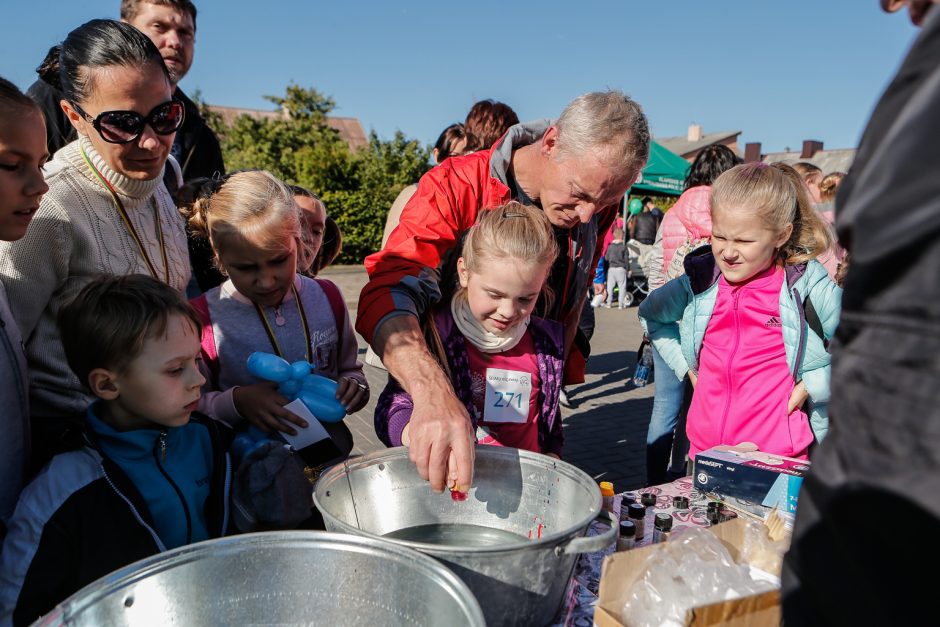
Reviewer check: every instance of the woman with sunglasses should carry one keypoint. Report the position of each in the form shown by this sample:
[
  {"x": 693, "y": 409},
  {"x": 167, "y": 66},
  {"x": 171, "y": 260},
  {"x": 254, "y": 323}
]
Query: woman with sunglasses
[{"x": 107, "y": 210}]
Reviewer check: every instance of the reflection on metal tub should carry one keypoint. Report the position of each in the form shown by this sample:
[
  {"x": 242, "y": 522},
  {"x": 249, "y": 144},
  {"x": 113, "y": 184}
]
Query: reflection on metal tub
[
  {"x": 294, "y": 578},
  {"x": 514, "y": 541}
]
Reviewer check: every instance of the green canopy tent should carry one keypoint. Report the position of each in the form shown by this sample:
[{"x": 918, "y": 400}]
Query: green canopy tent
[{"x": 664, "y": 173}]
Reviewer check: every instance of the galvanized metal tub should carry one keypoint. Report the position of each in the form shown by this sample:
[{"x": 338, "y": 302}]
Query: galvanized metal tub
[
  {"x": 278, "y": 578},
  {"x": 548, "y": 504}
]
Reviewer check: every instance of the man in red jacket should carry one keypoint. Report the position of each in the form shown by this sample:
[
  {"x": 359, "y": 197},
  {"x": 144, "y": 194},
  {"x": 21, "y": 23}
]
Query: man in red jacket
[{"x": 576, "y": 170}]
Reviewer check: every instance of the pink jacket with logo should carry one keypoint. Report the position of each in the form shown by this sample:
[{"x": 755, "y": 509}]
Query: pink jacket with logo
[
  {"x": 690, "y": 218},
  {"x": 744, "y": 381}
]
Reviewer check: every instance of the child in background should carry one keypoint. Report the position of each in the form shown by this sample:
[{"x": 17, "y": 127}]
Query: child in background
[
  {"x": 147, "y": 474},
  {"x": 750, "y": 322},
  {"x": 505, "y": 365},
  {"x": 254, "y": 226},
  {"x": 22, "y": 155},
  {"x": 322, "y": 239},
  {"x": 618, "y": 261},
  {"x": 833, "y": 258},
  {"x": 812, "y": 176}
]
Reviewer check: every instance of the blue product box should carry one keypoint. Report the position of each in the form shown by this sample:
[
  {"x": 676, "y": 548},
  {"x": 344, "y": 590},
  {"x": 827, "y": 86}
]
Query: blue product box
[{"x": 753, "y": 476}]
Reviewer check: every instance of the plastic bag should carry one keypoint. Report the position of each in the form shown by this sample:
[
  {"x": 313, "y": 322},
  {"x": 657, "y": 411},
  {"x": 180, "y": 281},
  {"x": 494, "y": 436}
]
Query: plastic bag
[{"x": 692, "y": 569}]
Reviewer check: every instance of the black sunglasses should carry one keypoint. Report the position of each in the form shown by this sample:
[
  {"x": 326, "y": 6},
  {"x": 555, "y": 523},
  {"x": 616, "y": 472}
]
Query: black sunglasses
[{"x": 122, "y": 127}]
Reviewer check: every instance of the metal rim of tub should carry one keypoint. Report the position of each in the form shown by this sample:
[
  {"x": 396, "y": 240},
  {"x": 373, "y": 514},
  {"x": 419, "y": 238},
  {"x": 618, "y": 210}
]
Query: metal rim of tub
[{"x": 571, "y": 545}]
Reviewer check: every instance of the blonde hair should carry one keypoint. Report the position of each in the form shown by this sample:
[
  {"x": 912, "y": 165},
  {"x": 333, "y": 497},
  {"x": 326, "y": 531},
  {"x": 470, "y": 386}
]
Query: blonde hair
[
  {"x": 512, "y": 231},
  {"x": 776, "y": 194},
  {"x": 829, "y": 185},
  {"x": 252, "y": 205}
]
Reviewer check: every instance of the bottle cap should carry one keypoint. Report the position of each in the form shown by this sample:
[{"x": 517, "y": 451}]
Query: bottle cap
[
  {"x": 636, "y": 510},
  {"x": 648, "y": 499},
  {"x": 663, "y": 522},
  {"x": 607, "y": 488},
  {"x": 627, "y": 529},
  {"x": 680, "y": 502},
  {"x": 714, "y": 506}
]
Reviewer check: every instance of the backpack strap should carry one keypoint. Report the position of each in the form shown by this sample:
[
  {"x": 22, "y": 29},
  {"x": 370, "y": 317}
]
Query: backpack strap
[
  {"x": 337, "y": 305},
  {"x": 209, "y": 353},
  {"x": 812, "y": 319}
]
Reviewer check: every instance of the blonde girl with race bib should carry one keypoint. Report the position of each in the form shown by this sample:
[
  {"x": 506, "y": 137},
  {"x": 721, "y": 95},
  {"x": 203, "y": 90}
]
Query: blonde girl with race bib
[
  {"x": 255, "y": 228},
  {"x": 750, "y": 321},
  {"x": 504, "y": 363}
]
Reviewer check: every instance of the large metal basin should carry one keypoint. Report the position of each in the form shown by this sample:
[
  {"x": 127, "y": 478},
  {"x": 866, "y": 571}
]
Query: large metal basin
[
  {"x": 278, "y": 578},
  {"x": 546, "y": 503}
]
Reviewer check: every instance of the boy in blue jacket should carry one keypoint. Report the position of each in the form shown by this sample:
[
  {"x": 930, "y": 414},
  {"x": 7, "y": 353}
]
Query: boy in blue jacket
[{"x": 149, "y": 475}]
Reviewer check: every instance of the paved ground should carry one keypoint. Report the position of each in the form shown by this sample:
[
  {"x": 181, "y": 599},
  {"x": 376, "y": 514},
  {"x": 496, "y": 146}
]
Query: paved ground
[{"x": 605, "y": 429}]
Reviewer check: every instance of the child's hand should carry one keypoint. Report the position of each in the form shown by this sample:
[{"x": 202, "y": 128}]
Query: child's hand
[
  {"x": 263, "y": 406},
  {"x": 797, "y": 397},
  {"x": 693, "y": 378},
  {"x": 352, "y": 394}
]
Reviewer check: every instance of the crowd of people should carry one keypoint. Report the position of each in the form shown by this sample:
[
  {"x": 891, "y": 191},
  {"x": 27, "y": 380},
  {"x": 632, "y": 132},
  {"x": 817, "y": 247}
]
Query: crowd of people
[{"x": 138, "y": 277}]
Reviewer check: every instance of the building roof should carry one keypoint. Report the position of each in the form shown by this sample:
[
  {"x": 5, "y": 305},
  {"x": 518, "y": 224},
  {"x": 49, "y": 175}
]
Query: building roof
[
  {"x": 681, "y": 145},
  {"x": 838, "y": 160},
  {"x": 350, "y": 129}
]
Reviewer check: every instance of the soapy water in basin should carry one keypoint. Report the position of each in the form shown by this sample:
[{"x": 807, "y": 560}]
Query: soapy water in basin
[{"x": 456, "y": 535}]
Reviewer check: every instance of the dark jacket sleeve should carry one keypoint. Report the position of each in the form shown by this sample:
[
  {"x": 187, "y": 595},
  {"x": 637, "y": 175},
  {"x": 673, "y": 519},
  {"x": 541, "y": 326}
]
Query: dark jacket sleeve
[{"x": 200, "y": 154}]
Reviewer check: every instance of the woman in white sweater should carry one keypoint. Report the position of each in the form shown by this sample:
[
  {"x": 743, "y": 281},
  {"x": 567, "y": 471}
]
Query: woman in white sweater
[{"x": 107, "y": 210}]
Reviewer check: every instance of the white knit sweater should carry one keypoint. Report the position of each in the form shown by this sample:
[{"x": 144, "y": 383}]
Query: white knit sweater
[{"x": 76, "y": 235}]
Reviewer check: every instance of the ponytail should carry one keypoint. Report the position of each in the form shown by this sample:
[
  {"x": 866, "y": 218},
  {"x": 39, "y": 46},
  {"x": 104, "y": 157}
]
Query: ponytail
[
  {"x": 48, "y": 70},
  {"x": 193, "y": 202},
  {"x": 811, "y": 236}
]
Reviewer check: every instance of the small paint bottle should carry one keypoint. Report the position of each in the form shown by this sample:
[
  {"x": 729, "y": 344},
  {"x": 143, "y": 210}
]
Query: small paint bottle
[
  {"x": 680, "y": 502},
  {"x": 713, "y": 516},
  {"x": 627, "y": 538},
  {"x": 607, "y": 496},
  {"x": 648, "y": 499},
  {"x": 662, "y": 528},
  {"x": 637, "y": 514}
]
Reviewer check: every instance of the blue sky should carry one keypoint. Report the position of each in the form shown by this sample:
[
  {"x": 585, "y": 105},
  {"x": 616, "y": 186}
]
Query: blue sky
[{"x": 780, "y": 72}]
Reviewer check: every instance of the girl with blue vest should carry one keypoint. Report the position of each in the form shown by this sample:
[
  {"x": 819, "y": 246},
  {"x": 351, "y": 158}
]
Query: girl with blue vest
[{"x": 751, "y": 319}]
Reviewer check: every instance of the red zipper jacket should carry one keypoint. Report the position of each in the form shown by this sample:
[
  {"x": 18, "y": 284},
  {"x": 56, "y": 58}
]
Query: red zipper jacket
[{"x": 402, "y": 276}]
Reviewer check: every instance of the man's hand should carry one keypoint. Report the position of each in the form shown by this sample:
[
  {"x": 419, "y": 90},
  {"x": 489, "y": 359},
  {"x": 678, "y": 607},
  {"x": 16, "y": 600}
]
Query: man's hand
[
  {"x": 263, "y": 406},
  {"x": 440, "y": 434},
  {"x": 797, "y": 397}
]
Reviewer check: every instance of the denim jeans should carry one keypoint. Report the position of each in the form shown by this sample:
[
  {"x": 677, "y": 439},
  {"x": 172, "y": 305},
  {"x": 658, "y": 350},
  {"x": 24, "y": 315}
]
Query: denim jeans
[{"x": 667, "y": 404}]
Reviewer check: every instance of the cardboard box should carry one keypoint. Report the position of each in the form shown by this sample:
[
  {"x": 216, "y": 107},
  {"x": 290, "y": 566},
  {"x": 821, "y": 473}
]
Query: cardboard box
[
  {"x": 757, "y": 477},
  {"x": 620, "y": 570}
]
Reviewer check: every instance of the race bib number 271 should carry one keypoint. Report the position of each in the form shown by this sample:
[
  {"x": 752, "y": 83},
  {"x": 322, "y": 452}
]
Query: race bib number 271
[{"x": 507, "y": 395}]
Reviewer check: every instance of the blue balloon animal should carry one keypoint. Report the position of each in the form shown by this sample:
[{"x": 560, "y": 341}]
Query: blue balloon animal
[{"x": 297, "y": 380}]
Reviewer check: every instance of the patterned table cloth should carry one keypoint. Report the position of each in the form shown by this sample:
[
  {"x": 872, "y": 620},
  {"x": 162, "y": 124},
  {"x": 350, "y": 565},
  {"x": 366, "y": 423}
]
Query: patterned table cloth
[{"x": 581, "y": 595}]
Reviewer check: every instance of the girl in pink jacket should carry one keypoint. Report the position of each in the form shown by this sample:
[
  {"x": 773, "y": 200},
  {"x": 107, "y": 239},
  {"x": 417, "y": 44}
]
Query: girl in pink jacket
[{"x": 750, "y": 320}]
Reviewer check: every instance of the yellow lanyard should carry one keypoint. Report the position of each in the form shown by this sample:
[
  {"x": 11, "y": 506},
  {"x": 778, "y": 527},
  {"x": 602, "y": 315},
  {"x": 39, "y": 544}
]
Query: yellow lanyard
[
  {"x": 303, "y": 321},
  {"x": 130, "y": 227}
]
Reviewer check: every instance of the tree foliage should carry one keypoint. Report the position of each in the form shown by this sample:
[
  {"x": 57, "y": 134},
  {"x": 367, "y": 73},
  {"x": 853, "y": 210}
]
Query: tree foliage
[{"x": 300, "y": 147}]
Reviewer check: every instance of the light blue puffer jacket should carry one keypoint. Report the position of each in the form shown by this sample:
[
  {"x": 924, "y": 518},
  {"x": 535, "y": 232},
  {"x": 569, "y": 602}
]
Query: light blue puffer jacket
[{"x": 676, "y": 317}]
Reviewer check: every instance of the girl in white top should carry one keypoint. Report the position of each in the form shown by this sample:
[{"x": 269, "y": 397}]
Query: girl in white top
[{"x": 254, "y": 226}]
